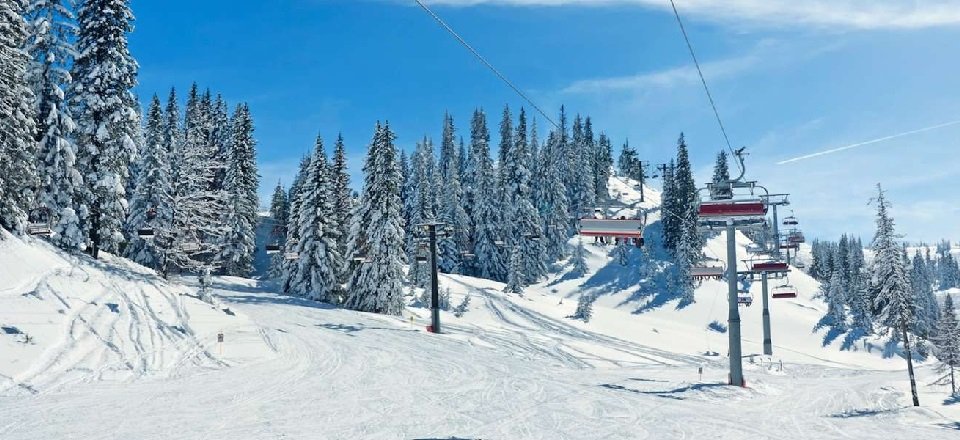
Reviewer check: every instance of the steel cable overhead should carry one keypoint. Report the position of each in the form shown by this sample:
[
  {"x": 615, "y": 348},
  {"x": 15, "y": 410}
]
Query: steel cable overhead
[{"x": 486, "y": 63}]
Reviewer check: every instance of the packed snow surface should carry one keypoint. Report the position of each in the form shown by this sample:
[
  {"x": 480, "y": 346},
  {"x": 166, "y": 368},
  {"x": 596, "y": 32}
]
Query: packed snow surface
[{"x": 108, "y": 350}]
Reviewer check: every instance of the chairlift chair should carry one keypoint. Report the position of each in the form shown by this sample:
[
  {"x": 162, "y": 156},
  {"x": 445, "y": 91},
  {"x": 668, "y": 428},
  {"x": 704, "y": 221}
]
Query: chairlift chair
[
  {"x": 769, "y": 267},
  {"x": 291, "y": 256},
  {"x": 744, "y": 298},
  {"x": 790, "y": 221},
  {"x": 796, "y": 237},
  {"x": 146, "y": 233},
  {"x": 41, "y": 229},
  {"x": 707, "y": 272},
  {"x": 754, "y": 248},
  {"x": 784, "y": 291},
  {"x": 273, "y": 248},
  {"x": 799, "y": 265}
]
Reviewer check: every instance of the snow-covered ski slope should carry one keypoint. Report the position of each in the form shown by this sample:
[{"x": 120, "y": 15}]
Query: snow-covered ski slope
[{"x": 513, "y": 367}]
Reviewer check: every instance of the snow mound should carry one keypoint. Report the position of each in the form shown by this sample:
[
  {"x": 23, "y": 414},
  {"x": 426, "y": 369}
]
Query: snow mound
[{"x": 66, "y": 319}]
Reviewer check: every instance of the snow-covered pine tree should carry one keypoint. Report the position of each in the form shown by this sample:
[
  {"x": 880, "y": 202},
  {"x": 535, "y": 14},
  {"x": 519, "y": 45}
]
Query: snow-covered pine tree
[
  {"x": 377, "y": 232},
  {"x": 685, "y": 195},
  {"x": 199, "y": 206},
  {"x": 456, "y": 242},
  {"x": 927, "y": 308},
  {"x": 320, "y": 262},
  {"x": 279, "y": 213},
  {"x": 151, "y": 205},
  {"x": 295, "y": 197},
  {"x": 627, "y": 162},
  {"x": 835, "y": 295},
  {"x": 684, "y": 261},
  {"x": 448, "y": 148},
  {"x": 721, "y": 174},
  {"x": 18, "y": 145},
  {"x": 342, "y": 197},
  {"x": 581, "y": 195},
  {"x": 602, "y": 163},
  {"x": 890, "y": 285},
  {"x": 524, "y": 223},
  {"x": 578, "y": 260},
  {"x": 584, "y": 307},
  {"x": 423, "y": 206},
  {"x": 106, "y": 111},
  {"x": 947, "y": 341},
  {"x": 487, "y": 217},
  {"x": 550, "y": 195},
  {"x": 51, "y": 31},
  {"x": 672, "y": 215},
  {"x": 240, "y": 183}
]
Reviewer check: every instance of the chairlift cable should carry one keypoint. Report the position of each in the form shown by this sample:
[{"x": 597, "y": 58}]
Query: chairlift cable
[
  {"x": 485, "y": 62},
  {"x": 696, "y": 63}
]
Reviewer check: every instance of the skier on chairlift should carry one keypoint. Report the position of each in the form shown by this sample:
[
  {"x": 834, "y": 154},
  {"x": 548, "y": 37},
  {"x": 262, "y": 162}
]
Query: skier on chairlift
[{"x": 598, "y": 214}]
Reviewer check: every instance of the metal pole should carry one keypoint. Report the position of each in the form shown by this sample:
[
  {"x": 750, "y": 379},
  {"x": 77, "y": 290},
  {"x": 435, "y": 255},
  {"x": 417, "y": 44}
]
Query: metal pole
[
  {"x": 736, "y": 361},
  {"x": 435, "y": 294},
  {"x": 767, "y": 339},
  {"x": 776, "y": 234}
]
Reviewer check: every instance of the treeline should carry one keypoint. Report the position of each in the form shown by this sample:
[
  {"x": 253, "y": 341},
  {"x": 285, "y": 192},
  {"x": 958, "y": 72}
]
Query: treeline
[
  {"x": 506, "y": 218},
  {"x": 75, "y": 163}
]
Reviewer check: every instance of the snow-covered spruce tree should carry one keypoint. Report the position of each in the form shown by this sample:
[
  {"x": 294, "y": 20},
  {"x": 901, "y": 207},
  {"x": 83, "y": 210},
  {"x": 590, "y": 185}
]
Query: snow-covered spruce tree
[
  {"x": 470, "y": 178},
  {"x": 377, "y": 232},
  {"x": 457, "y": 241},
  {"x": 835, "y": 295},
  {"x": 602, "y": 163},
  {"x": 18, "y": 146},
  {"x": 279, "y": 213},
  {"x": 721, "y": 174},
  {"x": 628, "y": 161},
  {"x": 51, "y": 31},
  {"x": 240, "y": 184},
  {"x": 342, "y": 197},
  {"x": 578, "y": 260},
  {"x": 927, "y": 308},
  {"x": 423, "y": 208},
  {"x": 890, "y": 285},
  {"x": 106, "y": 111},
  {"x": 198, "y": 206},
  {"x": 448, "y": 149},
  {"x": 221, "y": 137},
  {"x": 151, "y": 206},
  {"x": 584, "y": 307},
  {"x": 534, "y": 165},
  {"x": 487, "y": 215},
  {"x": 295, "y": 197},
  {"x": 684, "y": 261},
  {"x": 523, "y": 220},
  {"x": 550, "y": 195},
  {"x": 172, "y": 135},
  {"x": 671, "y": 217},
  {"x": 685, "y": 195},
  {"x": 947, "y": 341},
  {"x": 579, "y": 176},
  {"x": 320, "y": 261}
]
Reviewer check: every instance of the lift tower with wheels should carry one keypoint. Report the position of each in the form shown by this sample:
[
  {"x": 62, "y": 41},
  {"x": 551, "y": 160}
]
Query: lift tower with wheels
[
  {"x": 725, "y": 208},
  {"x": 772, "y": 200}
]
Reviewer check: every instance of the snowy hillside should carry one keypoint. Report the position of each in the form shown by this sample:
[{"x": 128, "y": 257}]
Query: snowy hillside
[
  {"x": 68, "y": 319},
  {"x": 512, "y": 367}
]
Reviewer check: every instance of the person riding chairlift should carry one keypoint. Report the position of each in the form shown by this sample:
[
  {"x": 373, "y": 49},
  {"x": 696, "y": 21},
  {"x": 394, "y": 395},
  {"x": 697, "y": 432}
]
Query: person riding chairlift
[{"x": 598, "y": 214}]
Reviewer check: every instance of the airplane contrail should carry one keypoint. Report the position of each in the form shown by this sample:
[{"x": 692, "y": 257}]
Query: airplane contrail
[{"x": 860, "y": 144}]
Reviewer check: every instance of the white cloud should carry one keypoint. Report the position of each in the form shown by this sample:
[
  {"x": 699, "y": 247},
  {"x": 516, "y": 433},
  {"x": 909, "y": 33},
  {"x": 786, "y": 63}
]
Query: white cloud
[
  {"x": 665, "y": 78},
  {"x": 860, "y": 14}
]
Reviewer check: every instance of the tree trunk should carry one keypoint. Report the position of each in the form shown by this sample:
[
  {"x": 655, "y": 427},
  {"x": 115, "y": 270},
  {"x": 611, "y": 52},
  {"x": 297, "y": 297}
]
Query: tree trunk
[
  {"x": 953, "y": 384},
  {"x": 906, "y": 347}
]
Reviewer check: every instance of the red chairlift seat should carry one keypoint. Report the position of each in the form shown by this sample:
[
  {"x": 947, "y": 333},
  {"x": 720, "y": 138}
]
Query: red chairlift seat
[
  {"x": 604, "y": 227},
  {"x": 784, "y": 291},
  {"x": 732, "y": 208},
  {"x": 796, "y": 237},
  {"x": 770, "y": 266}
]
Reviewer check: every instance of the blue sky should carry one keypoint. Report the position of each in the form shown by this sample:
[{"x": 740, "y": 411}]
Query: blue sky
[{"x": 790, "y": 77}]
